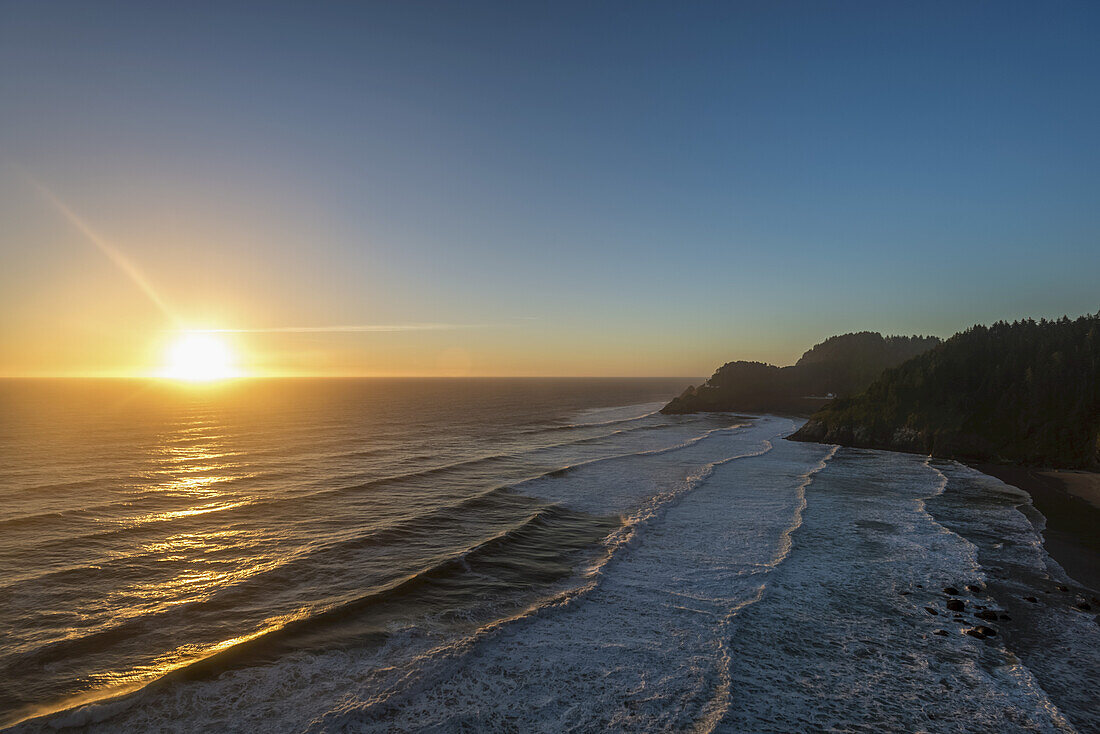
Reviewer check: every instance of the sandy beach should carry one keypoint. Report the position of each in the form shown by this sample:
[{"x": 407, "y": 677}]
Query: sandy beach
[
  {"x": 1070, "y": 501},
  {"x": 1083, "y": 484}
]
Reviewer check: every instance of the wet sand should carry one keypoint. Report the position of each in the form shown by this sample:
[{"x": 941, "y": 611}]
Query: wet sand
[
  {"x": 1083, "y": 484},
  {"x": 1070, "y": 501}
]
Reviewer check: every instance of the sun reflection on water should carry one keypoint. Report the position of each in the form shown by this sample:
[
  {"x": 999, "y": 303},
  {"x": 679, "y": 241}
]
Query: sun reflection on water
[{"x": 194, "y": 465}]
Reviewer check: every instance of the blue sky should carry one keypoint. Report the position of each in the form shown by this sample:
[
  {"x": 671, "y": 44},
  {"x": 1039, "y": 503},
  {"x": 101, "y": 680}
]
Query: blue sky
[{"x": 590, "y": 188}]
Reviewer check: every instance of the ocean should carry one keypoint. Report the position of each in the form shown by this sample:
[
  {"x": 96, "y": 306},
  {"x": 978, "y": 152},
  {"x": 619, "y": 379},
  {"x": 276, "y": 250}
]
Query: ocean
[{"x": 507, "y": 555}]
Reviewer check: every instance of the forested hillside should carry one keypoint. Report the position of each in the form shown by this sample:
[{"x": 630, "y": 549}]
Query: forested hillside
[
  {"x": 1023, "y": 392},
  {"x": 840, "y": 365}
]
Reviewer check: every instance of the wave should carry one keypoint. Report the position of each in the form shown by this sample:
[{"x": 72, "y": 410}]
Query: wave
[
  {"x": 564, "y": 470},
  {"x": 1054, "y": 645},
  {"x": 426, "y": 669},
  {"x": 399, "y": 531},
  {"x": 537, "y": 549},
  {"x": 833, "y": 559},
  {"x": 796, "y": 522},
  {"x": 719, "y": 702},
  {"x": 939, "y": 488},
  {"x": 246, "y": 506},
  {"x": 593, "y": 424},
  {"x": 515, "y": 544}
]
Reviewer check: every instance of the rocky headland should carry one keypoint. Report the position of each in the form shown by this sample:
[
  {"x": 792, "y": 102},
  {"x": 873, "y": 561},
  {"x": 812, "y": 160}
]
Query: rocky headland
[
  {"x": 839, "y": 366},
  {"x": 1022, "y": 393}
]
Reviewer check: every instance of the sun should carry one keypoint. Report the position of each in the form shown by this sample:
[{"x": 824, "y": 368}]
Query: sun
[{"x": 200, "y": 357}]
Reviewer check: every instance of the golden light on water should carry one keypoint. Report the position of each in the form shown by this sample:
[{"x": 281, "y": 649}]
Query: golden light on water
[{"x": 201, "y": 357}]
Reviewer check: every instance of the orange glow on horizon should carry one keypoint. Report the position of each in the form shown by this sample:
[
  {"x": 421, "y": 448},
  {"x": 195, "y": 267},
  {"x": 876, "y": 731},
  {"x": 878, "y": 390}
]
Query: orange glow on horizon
[{"x": 200, "y": 357}]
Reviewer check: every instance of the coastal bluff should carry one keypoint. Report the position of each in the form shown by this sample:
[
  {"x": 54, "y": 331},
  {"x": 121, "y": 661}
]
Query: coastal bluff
[
  {"x": 1026, "y": 392},
  {"x": 839, "y": 366}
]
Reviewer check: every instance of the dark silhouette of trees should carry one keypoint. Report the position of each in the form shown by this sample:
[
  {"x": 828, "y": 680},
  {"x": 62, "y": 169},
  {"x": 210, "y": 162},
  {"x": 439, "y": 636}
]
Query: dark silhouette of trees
[
  {"x": 840, "y": 365},
  {"x": 1026, "y": 392}
]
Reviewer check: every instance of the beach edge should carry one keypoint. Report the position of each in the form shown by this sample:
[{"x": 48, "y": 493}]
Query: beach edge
[{"x": 1065, "y": 500}]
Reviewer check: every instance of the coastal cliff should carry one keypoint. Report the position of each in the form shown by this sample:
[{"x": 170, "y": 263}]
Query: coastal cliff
[
  {"x": 1026, "y": 392},
  {"x": 839, "y": 366}
]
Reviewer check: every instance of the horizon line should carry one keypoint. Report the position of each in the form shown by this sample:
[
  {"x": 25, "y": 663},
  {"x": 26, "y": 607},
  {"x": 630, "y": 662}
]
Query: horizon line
[
  {"x": 342, "y": 328},
  {"x": 242, "y": 378}
]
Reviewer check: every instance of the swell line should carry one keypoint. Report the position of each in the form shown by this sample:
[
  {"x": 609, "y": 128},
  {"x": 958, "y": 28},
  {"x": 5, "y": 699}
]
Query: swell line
[
  {"x": 252, "y": 506},
  {"x": 219, "y": 656},
  {"x": 719, "y": 703},
  {"x": 597, "y": 424},
  {"x": 247, "y": 506},
  {"x": 922, "y": 507},
  {"x": 612, "y": 547},
  {"x": 415, "y": 679},
  {"x": 796, "y": 522}
]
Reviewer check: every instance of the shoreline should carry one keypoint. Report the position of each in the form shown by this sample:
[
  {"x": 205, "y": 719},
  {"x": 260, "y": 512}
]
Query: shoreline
[{"x": 1070, "y": 502}]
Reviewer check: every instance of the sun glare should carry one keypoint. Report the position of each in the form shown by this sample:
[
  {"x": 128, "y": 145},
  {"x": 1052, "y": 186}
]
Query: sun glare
[{"x": 198, "y": 357}]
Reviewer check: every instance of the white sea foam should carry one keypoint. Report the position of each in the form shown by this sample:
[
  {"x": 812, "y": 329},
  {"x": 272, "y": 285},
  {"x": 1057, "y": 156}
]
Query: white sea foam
[
  {"x": 842, "y": 639},
  {"x": 1056, "y": 646},
  {"x": 754, "y": 584},
  {"x": 609, "y": 416}
]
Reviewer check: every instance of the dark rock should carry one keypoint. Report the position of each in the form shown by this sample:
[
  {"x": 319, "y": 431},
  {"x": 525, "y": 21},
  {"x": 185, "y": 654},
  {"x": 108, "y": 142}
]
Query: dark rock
[
  {"x": 987, "y": 616},
  {"x": 973, "y": 588},
  {"x": 904, "y": 593},
  {"x": 955, "y": 605},
  {"x": 1031, "y": 599},
  {"x": 1062, "y": 587},
  {"x": 919, "y": 586},
  {"x": 981, "y": 632},
  {"x": 941, "y": 633},
  {"x": 951, "y": 590},
  {"x": 931, "y": 611},
  {"x": 1083, "y": 606}
]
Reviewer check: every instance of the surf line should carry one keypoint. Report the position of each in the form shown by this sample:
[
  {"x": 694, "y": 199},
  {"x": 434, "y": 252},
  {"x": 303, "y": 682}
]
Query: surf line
[
  {"x": 432, "y": 666},
  {"x": 719, "y": 703}
]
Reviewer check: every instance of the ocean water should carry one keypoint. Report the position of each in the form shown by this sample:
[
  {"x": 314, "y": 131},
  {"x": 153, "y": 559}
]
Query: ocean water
[{"x": 506, "y": 555}]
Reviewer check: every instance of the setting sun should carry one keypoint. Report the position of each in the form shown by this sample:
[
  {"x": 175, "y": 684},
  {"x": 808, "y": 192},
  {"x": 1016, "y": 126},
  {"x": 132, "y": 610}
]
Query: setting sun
[
  {"x": 531, "y": 366},
  {"x": 200, "y": 358}
]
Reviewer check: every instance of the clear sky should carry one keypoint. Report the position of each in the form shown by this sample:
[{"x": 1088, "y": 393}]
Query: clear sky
[{"x": 537, "y": 188}]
